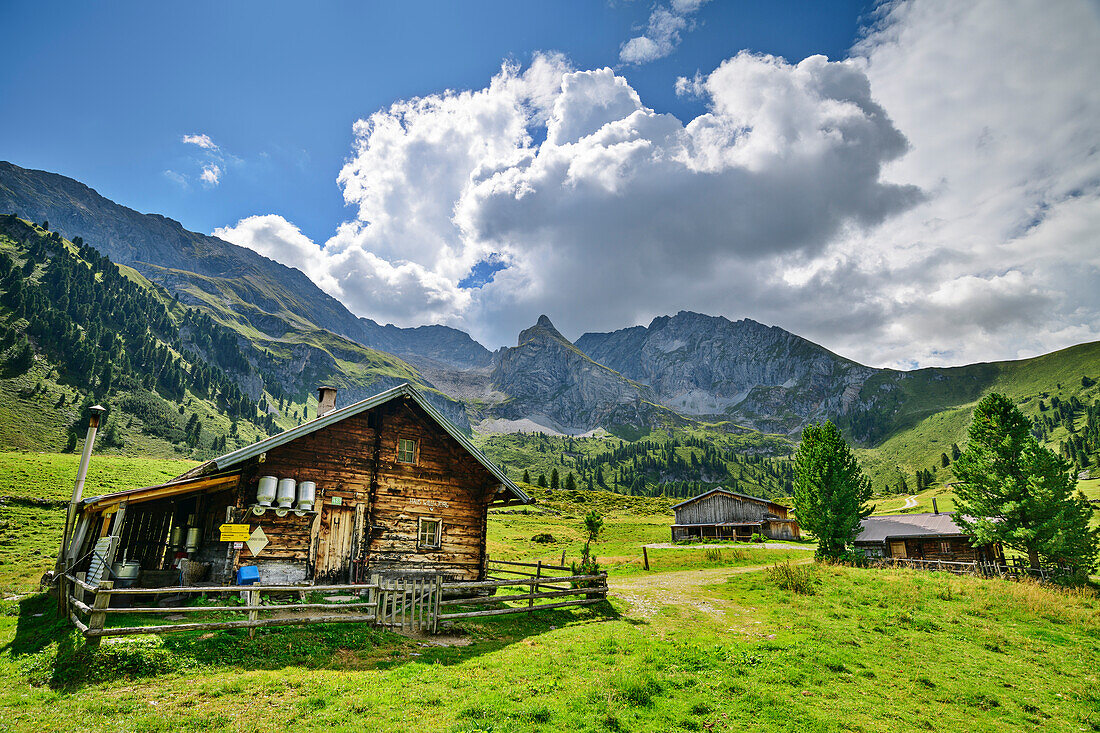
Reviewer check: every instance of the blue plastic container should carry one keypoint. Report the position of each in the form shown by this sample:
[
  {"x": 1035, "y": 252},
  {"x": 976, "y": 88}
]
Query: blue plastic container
[{"x": 248, "y": 574}]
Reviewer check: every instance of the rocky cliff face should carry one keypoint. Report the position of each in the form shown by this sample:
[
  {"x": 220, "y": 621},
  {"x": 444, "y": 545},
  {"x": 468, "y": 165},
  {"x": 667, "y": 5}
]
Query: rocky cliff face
[
  {"x": 710, "y": 366},
  {"x": 548, "y": 381}
]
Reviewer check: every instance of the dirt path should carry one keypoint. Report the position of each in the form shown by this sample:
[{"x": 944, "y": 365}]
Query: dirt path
[
  {"x": 648, "y": 593},
  {"x": 910, "y": 502}
]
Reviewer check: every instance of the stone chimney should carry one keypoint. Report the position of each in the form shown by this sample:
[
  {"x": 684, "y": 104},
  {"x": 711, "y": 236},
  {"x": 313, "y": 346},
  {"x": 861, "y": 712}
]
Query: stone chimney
[
  {"x": 326, "y": 400},
  {"x": 935, "y": 509}
]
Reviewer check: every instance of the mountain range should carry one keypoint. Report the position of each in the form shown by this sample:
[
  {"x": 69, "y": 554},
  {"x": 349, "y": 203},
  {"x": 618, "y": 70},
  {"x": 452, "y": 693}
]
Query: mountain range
[{"x": 686, "y": 369}]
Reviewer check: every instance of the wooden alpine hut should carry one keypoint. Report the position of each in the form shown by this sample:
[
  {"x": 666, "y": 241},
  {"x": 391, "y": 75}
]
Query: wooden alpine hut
[
  {"x": 926, "y": 536},
  {"x": 722, "y": 514},
  {"x": 384, "y": 486}
]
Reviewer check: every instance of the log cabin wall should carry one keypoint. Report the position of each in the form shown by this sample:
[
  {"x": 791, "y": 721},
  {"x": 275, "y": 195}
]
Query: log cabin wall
[
  {"x": 718, "y": 508},
  {"x": 949, "y": 549},
  {"x": 369, "y": 511}
]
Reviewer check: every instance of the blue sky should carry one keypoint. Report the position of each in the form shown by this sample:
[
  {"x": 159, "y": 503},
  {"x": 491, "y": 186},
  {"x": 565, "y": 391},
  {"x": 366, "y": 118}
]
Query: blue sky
[
  {"x": 277, "y": 86},
  {"x": 911, "y": 183}
]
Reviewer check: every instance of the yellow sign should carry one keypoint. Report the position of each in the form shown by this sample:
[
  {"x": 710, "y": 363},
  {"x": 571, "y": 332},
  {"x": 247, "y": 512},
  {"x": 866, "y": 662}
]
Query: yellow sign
[{"x": 235, "y": 532}]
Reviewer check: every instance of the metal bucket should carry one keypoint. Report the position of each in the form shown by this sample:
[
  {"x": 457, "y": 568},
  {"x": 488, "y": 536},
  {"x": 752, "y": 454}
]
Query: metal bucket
[
  {"x": 307, "y": 495},
  {"x": 265, "y": 492},
  {"x": 286, "y": 492},
  {"x": 193, "y": 536},
  {"x": 176, "y": 537},
  {"x": 126, "y": 573}
]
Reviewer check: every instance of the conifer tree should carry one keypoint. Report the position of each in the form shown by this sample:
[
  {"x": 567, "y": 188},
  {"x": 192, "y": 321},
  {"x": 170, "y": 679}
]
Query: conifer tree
[
  {"x": 1015, "y": 491},
  {"x": 830, "y": 490},
  {"x": 526, "y": 476}
]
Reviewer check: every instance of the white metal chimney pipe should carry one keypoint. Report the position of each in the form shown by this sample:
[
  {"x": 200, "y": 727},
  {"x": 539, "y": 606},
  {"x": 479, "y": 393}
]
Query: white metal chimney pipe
[
  {"x": 81, "y": 474},
  {"x": 326, "y": 400}
]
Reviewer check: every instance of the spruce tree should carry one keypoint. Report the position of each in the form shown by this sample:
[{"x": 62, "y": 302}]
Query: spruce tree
[
  {"x": 526, "y": 477},
  {"x": 554, "y": 479},
  {"x": 1015, "y": 491},
  {"x": 830, "y": 490}
]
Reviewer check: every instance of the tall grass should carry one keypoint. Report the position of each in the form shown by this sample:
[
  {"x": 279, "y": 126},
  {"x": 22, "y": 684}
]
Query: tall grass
[{"x": 801, "y": 579}]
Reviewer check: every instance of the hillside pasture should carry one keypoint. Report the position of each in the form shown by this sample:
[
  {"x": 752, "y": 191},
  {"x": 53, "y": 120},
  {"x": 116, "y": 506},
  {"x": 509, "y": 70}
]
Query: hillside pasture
[{"x": 714, "y": 649}]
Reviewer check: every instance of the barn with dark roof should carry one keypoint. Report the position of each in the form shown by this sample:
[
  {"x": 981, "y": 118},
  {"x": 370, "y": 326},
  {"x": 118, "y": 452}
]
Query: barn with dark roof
[{"x": 930, "y": 536}]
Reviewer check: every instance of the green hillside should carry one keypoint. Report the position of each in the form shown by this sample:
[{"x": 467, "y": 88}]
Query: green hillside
[
  {"x": 678, "y": 463},
  {"x": 75, "y": 329},
  {"x": 937, "y": 412}
]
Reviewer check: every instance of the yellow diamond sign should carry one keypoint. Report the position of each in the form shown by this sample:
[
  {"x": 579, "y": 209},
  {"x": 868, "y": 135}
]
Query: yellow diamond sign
[{"x": 257, "y": 541}]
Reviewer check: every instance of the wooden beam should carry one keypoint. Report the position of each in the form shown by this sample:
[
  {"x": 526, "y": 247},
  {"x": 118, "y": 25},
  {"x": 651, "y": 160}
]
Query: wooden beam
[{"x": 163, "y": 491}]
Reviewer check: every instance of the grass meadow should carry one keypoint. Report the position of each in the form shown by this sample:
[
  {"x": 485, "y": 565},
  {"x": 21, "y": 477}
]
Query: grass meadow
[{"x": 706, "y": 640}]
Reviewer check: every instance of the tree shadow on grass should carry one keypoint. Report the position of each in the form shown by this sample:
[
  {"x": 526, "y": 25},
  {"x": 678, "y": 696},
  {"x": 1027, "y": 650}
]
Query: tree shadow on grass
[{"x": 51, "y": 652}]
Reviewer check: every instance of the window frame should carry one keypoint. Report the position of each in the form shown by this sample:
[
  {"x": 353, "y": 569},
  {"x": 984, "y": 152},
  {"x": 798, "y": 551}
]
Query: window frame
[
  {"x": 420, "y": 522},
  {"x": 415, "y": 451}
]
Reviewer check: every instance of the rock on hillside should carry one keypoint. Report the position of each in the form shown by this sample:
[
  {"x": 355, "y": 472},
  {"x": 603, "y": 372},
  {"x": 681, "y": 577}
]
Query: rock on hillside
[{"x": 705, "y": 365}]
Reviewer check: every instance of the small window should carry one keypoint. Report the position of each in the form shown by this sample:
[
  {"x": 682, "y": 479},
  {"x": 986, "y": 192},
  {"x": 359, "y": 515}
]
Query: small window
[
  {"x": 430, "y": 531},
  {"x": 945, "y": 548},
  {"x": 406, "y": 451}
]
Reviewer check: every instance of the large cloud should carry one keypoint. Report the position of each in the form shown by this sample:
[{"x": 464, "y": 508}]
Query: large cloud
[{"x": 933, "y": 199}]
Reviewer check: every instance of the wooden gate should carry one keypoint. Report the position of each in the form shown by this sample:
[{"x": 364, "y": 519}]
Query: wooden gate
[
  {"x": 409, "y": 603},
  {"x": 335, "y": 544}
]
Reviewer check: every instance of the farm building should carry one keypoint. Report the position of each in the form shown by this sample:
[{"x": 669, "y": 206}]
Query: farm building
[
  {"x": 931, "y": 536},
  {"x": 723, "y": 514},
  {"x": 384, "y": 486}
]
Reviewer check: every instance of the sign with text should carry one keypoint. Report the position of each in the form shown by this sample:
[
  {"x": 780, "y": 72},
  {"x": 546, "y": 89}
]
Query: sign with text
[{"x": 235, "y": 532}]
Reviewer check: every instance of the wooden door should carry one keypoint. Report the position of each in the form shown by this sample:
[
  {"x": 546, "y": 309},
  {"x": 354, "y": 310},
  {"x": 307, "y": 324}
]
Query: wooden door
[{"x": 335, "y": 544}]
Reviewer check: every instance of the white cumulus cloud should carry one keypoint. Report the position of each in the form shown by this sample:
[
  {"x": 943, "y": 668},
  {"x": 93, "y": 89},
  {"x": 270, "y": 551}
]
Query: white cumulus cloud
[{"x": 935, "y": 198}]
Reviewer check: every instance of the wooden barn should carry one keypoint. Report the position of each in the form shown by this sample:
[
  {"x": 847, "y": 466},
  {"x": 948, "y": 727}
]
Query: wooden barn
[
  {"x": 930, "y": 536},
  {"x": 724, "y": 515},
  {"x": 384, "y": 486}
]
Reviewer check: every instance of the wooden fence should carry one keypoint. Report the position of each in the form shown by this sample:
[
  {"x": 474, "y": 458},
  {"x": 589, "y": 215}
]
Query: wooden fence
[
  {"x": 1012, "y": 569},
  {"x": 412, "y": 604}
]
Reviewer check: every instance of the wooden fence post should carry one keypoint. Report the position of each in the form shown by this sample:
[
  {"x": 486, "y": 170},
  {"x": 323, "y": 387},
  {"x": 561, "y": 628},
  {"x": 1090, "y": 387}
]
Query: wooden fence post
[
  {"x": 78, "y": 590},
  {"x": 645, "y": 556},
  {"x": 563, "y": 558},
  {"x": 253, "y": 615},
  {"x": 438, "y": 598},
  {"x": 97, "y": 618},
  {"x": 534, "y": 588}
]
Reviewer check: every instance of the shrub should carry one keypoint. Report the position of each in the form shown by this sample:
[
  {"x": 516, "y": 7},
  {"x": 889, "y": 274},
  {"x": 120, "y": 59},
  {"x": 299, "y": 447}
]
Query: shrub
[
  {"x": 759, "y": 538},
  {"x": 801, "y": 579},
  {"x": 713, "y": 554},
  {"x": 543, "y": 538}
]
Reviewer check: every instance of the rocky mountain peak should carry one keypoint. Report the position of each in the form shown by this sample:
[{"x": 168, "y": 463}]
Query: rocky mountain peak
[{"x": 543, "y": 330}]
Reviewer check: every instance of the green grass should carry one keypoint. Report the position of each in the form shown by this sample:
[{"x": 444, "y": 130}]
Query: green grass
[
  {"x": 50, "y": 476},
  {"x": 34, "y": 490},
  {"x": 698, "y": 643},
  {"x": 868, "y": 650}
]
